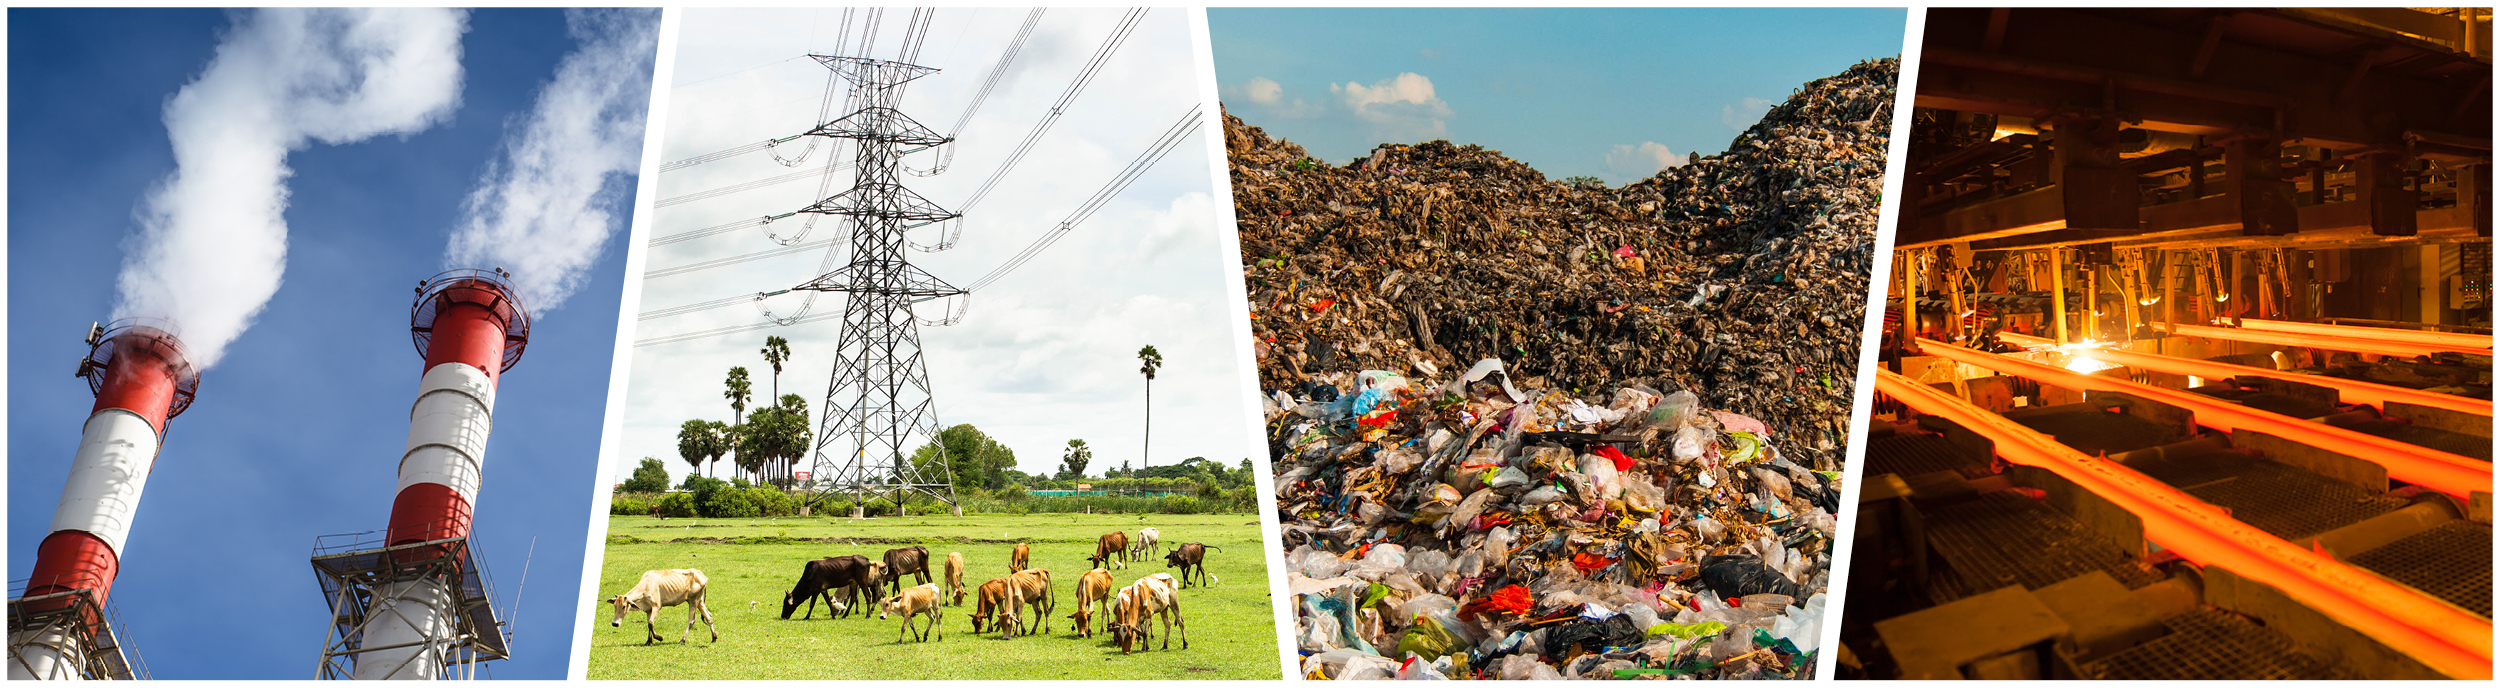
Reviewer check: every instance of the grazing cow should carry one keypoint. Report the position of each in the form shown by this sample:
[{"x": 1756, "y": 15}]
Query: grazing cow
[
  {"x": 660, "y": 589},
  {"x": 1189, "y": 556},
  {"x": 820, "y": 578},
  {"x": 1092, "y": 591},
  {"x": 1020, "y": 559},
  {"x": 1110, "y": 550},
  {"x": 915, "y": 601},
  {"x": 955, "y": 578},
  {"x": 1028, "y": 588},
  {"x": 1151, "y": 596},
  {"x": 1149, "y": 541},
  {"x": 906, "y": 561},
  {"x": 989, "y": 602}
]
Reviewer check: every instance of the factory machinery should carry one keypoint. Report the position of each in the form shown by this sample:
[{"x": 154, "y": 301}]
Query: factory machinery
[{"x": 2187, "y": 352}]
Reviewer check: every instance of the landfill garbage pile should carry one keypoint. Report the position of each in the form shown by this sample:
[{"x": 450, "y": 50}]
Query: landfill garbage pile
[
  {"x": 1482, "y": 529},
  {"x": 1742, "y": 276}
]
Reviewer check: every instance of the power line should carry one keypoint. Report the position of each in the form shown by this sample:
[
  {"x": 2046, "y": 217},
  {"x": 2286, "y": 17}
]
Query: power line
[
  {"x": 997, "y": 71},
  {"x": 1085, "y": 76},
  {"x": 748, "y": 186},
  {"x": 1154, "y": 153},
  {"x": 734, "y": 260}
]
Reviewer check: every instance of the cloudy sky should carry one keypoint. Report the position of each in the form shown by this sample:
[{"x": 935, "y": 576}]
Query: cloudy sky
[
  {"x": 347, "y": 195},
  {"x": 1044, "y": 355},
  {"x": 1614, "y": 93}
]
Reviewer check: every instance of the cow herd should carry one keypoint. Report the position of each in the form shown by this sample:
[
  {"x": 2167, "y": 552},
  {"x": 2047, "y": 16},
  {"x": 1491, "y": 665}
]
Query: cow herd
[{"x": 1018, "y": 604}]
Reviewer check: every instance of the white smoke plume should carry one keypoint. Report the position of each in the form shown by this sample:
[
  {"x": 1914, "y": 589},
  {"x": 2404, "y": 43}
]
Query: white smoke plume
[
  {"x": 544, "y": 211},
  {"x": 211, "y": 245}
]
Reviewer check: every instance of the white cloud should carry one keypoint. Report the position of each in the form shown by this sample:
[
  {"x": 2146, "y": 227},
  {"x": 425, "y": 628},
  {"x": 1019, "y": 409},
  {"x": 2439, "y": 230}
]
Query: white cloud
[
  {"x": 1263, "y": 90},
  {"x": 1402, "y": 108},
  {"x": 546, "y": 209},
  {"x": 1742, "y": 115},
  {"x": 211, "y": 247},
  {"x": 1428, "y": 53},
  {"x": 1636, "y": 161}
]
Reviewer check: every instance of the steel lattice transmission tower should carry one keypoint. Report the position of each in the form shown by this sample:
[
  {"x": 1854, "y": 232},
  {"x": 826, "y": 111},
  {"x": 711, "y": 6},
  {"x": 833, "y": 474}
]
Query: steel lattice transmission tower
[{"x": 879, "y": 399}]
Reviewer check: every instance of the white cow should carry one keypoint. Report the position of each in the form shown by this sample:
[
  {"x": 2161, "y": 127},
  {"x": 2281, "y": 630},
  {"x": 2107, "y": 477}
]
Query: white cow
[
  {"x": 666, "y": 588},
  {"x": 1148, "y": 540}
]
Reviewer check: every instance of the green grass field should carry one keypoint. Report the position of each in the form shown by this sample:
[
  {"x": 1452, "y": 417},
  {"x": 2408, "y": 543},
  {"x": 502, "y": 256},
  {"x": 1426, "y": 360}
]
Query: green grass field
[{"x": 1232, "y": 634}]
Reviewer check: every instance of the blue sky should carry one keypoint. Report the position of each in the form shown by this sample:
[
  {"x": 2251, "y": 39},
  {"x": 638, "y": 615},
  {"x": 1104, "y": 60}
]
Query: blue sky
[
  {"x": 298, "y": 430},
  {"x": 1570, "y": 92}
]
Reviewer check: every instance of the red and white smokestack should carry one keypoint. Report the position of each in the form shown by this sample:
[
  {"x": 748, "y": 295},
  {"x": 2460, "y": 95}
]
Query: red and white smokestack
[
  {"x": 141, "y": 379},
  {"x": 470, "y": 328}
]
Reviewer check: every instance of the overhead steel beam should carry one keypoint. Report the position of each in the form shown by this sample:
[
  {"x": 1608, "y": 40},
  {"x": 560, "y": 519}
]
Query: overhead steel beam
[{"x": 2053, "y": 59}]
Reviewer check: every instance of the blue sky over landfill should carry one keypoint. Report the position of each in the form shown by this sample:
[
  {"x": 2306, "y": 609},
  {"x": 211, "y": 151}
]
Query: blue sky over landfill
[{"x": 1608, "y": 93}]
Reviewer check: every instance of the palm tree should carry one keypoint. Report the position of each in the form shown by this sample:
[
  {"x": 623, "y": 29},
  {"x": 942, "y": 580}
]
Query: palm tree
[
  {"x": 694, "y": 442},
  {"x": 776, "y": 352},
  {"x": 724, "y": 439},
  {"x": 1149, "y": 360},
  {"x": 738, "y": 392}
]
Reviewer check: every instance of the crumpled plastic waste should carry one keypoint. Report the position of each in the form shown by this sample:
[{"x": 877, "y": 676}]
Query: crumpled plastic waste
[
  {"x": 1478, "y": 537},
  {"x": 1525, "y": 429}
]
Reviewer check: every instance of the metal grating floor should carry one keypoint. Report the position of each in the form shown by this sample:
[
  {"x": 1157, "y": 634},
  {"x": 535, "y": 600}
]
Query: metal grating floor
[
  {"x": 2277, "y": 498},
  {"x": 2451, "y": 562},
  {"x": 1920, "y": 454},
  {"x": 2100, "y": 432},
  {"x": 2003, "y": 538},
  {"x": 2212, "y": 645}
]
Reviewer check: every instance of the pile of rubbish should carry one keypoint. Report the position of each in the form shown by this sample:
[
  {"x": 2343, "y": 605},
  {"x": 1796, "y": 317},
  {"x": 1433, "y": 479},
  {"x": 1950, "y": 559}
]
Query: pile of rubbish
[
  {"x": 1742, "y": 276},
  {"x": 1480, "y": 529}
]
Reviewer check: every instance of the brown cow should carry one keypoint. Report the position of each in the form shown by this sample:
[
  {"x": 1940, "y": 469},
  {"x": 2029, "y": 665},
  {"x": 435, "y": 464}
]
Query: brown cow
[
  {"x": 915, "y": 601},
  {"x": 1029, "y": 587},
  {"x": 1092, "y": 592},
  {"x": 1020, "y": 559},
  {"x": 906, "y": 561},
  {"x": 955, "y": 578},
  {"x": 990, "y": 602},
  {"x": 1110, "y": 550},
  {"x": 1189, "y": 556}
]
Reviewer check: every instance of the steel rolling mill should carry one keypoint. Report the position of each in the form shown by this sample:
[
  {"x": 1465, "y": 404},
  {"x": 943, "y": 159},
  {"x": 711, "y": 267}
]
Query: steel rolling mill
[{"x": 2187, "y": 355}]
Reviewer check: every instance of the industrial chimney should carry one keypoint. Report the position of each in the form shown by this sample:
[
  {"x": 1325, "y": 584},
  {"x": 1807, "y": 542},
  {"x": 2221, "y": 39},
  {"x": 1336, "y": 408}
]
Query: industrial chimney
[
  {"x": 59, "y": 629},
  {"x": 413, "y": 604}
]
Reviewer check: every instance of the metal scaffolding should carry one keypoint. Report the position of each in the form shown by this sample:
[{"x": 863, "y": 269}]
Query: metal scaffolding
[
  {"x": 879, "y": 399},
  {"x": 366, "y": 584},
  {"x": 70, "y": 628}
]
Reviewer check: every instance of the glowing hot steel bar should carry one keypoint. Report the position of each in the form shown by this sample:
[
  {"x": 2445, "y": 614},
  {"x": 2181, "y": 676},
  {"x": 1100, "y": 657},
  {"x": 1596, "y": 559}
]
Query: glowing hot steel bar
[
  {"x": 2447, "y": 639},
  {"x": 2455, "y": 341},
  {"x": 2438, "y": 470},
  {"x": 2314, "y": 341},
  {"x": 141, "y": 379},
  {"x": 2351, "y": 391}
]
